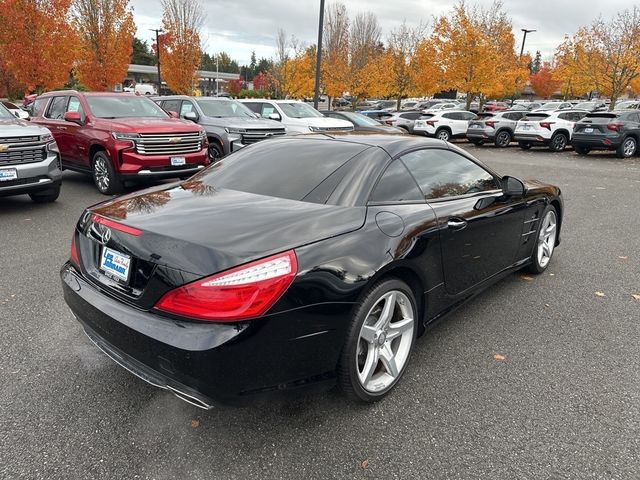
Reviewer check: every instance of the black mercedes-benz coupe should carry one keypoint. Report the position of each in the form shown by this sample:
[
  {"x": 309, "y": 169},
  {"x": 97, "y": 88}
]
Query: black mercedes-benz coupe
[{"x": 300, "y": 261}]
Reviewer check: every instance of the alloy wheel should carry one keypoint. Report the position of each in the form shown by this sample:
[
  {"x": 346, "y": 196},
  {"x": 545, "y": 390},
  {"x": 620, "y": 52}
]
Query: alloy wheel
[
  {"x": 214, "y": 153},
  {"x": 629, "y": 147},
  {"x": 384, "y": 342},
  {"x": 443, "y": 135},
  {"x": 503, "y": 139},
  {"x": 547, "y": 238},
  {"x": 101, "y": 174},
  {"x": 559, "y": 142}
]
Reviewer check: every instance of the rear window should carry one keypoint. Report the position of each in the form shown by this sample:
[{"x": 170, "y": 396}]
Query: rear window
[
  {"x": 535, "y": 116},
  {"x": 290, "y": 169},
  {"x": 485, "y": 115},
  {"x": 601, "y": 115}
]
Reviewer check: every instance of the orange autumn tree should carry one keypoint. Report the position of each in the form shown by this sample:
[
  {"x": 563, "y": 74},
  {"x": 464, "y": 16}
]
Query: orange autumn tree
[
  {"x": 570, "y": 69},
  {"x": 425, "y": 71},
  {"x": 180, "y": 51},
  {"x": 37, "y": 44},
  {"x": 105, "y": 29},
  {"x": 543, "y": 82}
]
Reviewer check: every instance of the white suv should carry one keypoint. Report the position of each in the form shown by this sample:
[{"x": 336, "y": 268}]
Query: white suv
[
  {"x": 442, "y": 106},
  {"x": 553, "y": 129},
  {"x": 445, "y": 124},
  {"x": 297, "y": 117}
]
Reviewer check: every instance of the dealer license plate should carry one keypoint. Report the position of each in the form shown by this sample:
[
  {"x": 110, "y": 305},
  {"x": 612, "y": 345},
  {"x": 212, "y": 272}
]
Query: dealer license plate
[
  {"x": 8, "y": 174},
  {"x": 588, "y": 130},
  {"x": 178, "y": 161},
  {"x": 115, "y": 264}
]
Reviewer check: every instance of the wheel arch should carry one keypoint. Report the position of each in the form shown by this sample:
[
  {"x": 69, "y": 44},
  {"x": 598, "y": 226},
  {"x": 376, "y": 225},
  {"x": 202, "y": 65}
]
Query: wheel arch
[
  {"x": 558, "y": 206},
  {"x": 95, "y": 148},
  {"x": 565, "y": 131}
]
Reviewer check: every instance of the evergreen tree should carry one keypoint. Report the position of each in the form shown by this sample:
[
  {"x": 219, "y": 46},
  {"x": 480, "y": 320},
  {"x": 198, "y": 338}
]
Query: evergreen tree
[{"x": 142, "y": 54}]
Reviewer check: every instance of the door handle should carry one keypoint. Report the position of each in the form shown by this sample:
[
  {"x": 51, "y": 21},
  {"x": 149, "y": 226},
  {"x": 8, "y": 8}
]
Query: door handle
[
  {"x": 62, "y": 128},
  {"x": 457, "y": 223}
]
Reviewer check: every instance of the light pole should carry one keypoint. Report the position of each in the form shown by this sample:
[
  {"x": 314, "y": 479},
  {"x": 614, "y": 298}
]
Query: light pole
[
  {"x": 158, "y": 30},
  {"x": 524, "y": 39},
  {"x": 217, "y": 79},
  {"x": 316, "y": 97}
]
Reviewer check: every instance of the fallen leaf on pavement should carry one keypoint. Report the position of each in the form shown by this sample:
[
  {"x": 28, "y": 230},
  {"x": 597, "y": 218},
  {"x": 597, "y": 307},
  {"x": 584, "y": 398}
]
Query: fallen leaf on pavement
[
  {"x": 497, "y": 356},
  {"x": 600, "y": 294},
  {"x": 623, "y": 258},
  {"x": 552, "y": 274},
  {"x": 195, "y": 423},
  {"x": 636, "y": 296},
  {"x": 546, "y": 304},
  {"x": 365, "y": 464},
  {"x": 524, "y": 277}
]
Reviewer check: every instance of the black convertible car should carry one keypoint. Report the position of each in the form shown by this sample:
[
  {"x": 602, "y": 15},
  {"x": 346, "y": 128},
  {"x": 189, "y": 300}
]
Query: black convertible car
[{"x": 300, "y": 261}]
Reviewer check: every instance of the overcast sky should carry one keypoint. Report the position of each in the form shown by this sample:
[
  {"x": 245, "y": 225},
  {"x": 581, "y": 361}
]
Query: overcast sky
[{"x": 240, "y": 26}]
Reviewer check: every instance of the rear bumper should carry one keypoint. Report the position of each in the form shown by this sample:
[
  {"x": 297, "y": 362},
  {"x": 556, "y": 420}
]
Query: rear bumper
[
  {"x": 208, "y": 363},
  {"x": 33, "y": 177},
  {"x": 481, "y": 134},
  {"x": 531, "y": 138},
  {"x": 602, "y": 142}
]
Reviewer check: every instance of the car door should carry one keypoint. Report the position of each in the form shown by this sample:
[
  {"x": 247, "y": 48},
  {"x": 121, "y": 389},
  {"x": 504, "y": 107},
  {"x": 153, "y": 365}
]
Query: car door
[
  {"x": 480, "y": 228},
  {"x": 54, "y": 120},
  {"x": 72, "y": 135},
  {"x": 457, "y": 123}
]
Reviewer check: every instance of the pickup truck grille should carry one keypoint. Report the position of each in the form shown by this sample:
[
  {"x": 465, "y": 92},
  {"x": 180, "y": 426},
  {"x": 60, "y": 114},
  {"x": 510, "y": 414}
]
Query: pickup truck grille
[
  {"x": 253, "y": 136},
  {"x": 332, "y": 129},
  {"x": 169, "y": 143},
  {"x": 20, "y": 150}
]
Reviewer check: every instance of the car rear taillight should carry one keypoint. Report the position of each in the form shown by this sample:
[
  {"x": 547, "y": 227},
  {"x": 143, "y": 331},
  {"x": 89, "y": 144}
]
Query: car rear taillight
[
  {"x": 546, "y": 125},
  {"x": 116, "y": 226},
  {"x": 244, "y": 292},
  {"x": 388, "y": 122},
  {"x": 490, "y": 123},
  {"x": 616, "y": 127},
  {"x": 75, "y": 256},
  {"x": 431, "y": 122}
]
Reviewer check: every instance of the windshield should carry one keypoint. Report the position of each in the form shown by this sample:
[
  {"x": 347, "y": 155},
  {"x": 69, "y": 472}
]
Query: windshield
[
  {"x": 627, "y": 104},
  {"x": 4, "y": 113},
  {"x": 298, "y": 110},
  {"x": 586, "y": 105},
  {"x": 126, "y": 106},
  {"x": 551, "y": 105},
  {"x": 361, "y": 120},
  {"x": 224, "y": 108}
]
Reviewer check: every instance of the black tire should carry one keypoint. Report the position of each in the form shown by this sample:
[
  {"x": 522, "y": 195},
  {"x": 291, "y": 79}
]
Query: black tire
[
  {"x": 524, "y": 145},
  {"x": 559, "y": 142},
  {"x": 215, "y": 151},
  {"x": 627, "y": 148},
  {"x": 503, "y": 139},
  {"x": 477, "y": 143},
  {"x": 581, "y": 149},
  {"x": 535, "y": 266},
  {"x": 46, "y": 196},
  {"x": 443, "y": 134},
  {"x": 104, "y": 176},
  {"x": 348, "y": 377}
]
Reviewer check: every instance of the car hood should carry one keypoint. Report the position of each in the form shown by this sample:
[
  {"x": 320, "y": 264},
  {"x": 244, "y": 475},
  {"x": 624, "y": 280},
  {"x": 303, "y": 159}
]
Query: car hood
[
  {"x": 241, "y": 122},
  {"x": 12, "y": 127},
  {"x": 152, "y": 125},
  {"x": 200, "y": 229}
]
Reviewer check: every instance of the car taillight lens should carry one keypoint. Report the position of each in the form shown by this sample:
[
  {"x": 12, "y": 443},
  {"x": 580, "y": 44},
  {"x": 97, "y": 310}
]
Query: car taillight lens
[
  {"x": 546, "y": 125},
  {"x": 75, "y": 256},
  {"x": 116, "y": 226},
  {"x": 615, "y": 126},
  {"x": 244, "y": 292},
  {"x": 431, "y": 122},
  {"x": 490, "y": 123}
]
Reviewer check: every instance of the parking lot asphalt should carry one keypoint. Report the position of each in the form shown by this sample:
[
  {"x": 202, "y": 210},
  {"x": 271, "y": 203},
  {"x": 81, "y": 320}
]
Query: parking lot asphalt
[{"x": 539, "y": 377}]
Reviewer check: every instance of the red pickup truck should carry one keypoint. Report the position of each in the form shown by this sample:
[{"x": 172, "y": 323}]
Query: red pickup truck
[{"x": 117, "y": 137}]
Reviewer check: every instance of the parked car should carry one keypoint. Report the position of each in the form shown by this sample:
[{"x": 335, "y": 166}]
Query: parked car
[
  {"x": 16, "y": 110},
  {"x": 551, "y": 129},
  {"x": 299, "y": 262},
  {"x": 404, "y": 120},
  {"x": 230, "y": 125},
  {"x": 495, "y": 107},
  {"x": 362, "y": 123},
  {"x": 388, "y": 105},
  {"x": 445, "y": 125},
  {"x": 426, "y": 104},
  {"x": 297, "y": 117},
  {"x": 120, "y": 136},
  {"x": 409, "y": 105},
  {"x": 591, "y": 106},
  {"x": 142, "y": 89},
  {"x": 519, "y": 107},
  {"x": 553, "y": 106},
  {"x": 617, "y": 130},
  {"x": 341, "y": 102},
  {"x": 495, "y": 127},
  {"x": 627, "y": 105},
  {"x": 29, "y": 159},
  {"x": 381, "y": 116},
  {"x": 443, "y": 106}
]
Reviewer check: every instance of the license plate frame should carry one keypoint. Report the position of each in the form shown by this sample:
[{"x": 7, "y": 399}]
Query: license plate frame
[
  {"x": 178, "y": 161},
  {"x": 8, "y": 174},
  {"x": 588, "y": 130},
  {"x": 115, "y": 265}
]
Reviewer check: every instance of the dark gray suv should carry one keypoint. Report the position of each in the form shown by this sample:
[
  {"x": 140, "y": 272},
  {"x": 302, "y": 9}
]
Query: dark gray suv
[
  {"x": 29, "y": 159},
  {"x": 496, "y": 127},
  {"x": 230, "y": 125}
]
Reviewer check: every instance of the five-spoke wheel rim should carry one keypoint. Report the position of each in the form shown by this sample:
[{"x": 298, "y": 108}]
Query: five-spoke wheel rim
[
  {"x": 385, "y": 341},
  {"x": 547, "y": 238},
  {"x": 629, "y": 147},
  {"x": 559, "y": 142},
  {"x": 443, "y": 135},
  {"x": 101, "y": 174},
  {"x": 504, "y": 139}
]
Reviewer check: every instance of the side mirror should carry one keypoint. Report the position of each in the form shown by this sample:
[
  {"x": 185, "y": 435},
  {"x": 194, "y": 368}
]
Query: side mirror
[
  {"x": 275, "y": 116},
  {"x": 513, "y": 187},
  {"x": 173, "y": 114},
  {"x": 73, "y": 117},
  {"x": 193, "y": 116}
]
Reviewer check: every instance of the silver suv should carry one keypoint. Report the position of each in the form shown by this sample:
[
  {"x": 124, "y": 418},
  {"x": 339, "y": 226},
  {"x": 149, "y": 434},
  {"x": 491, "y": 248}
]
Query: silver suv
[
  {"x": 29, "y": 160},
  {"x": 230, "y": 125},
  {"x": 496, "y": 127}
]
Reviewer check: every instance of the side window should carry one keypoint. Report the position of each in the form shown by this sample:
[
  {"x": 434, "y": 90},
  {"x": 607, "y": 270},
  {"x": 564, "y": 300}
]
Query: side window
[
  {"x": 412, "y": 115},
  {"x": 396, "y": 185},
  {"x": 75, "y": 106},
  {"x": 566, "y": 116},
  {"x": 577, "y": 116},
  {"x": 443, "y": 173},
  {"x": 467, "y": 115},
  {"x": 39, "y": 106},
  {"x": 171, "y": 106},
  {"x": 253, "y": 106},
  {"x": 450, "y": 116},
  {"x": 268, "y": 109},
  {"x": 57, "y": 108},
  {"x": 187, "y": 106}
]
